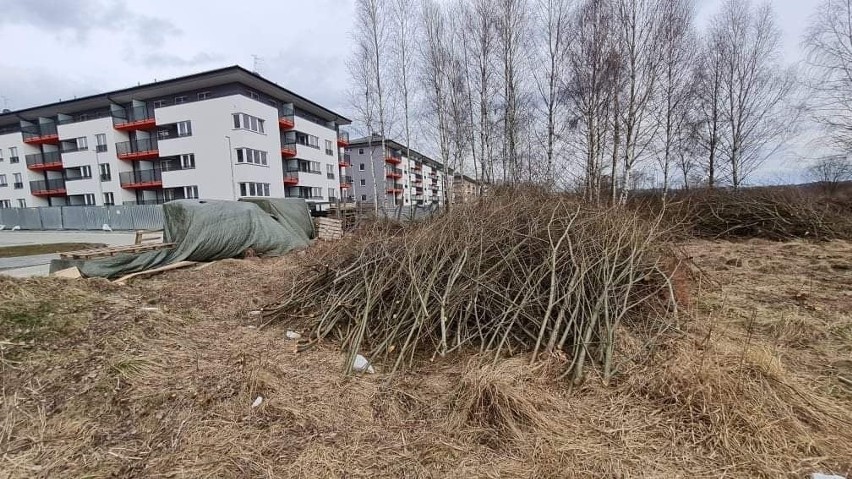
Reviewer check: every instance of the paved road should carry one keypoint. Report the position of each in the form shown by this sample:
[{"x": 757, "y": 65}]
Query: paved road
[{"x": 39, "y": 265}]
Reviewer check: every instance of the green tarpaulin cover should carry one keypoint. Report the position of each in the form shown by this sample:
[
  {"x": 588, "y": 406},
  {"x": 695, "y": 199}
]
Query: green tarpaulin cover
[{"x": 209, "y": 230}]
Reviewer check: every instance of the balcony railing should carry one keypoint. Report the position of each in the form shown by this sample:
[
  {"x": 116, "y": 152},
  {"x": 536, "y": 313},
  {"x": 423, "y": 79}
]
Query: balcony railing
[
  {"x": 286, "y": 117},
  {"x": 288, "y": 150},
  {"x": 151, "y": 178},
  {"x": 44, "y": 161},
  {"x": 134, "y": 118},
  {"x": 40, "y": 134},
  {"x": 291, "y": 178},
  {"x": 345, "y": 181},
  {"x": 345, "y": 161},
  {"x": 139, "y": 149},
  {"x": 343, "y": 138},
  {"x": 393, "y": 173},
  {"x": 394, "y": 159},
  {"x": 394, "y": 188},
  {"x": 417, "y": 167},
  {"x": 55, "y": 187}
]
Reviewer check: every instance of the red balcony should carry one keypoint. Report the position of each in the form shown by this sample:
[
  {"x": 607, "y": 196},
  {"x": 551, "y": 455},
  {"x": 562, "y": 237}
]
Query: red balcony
[
  {"x": 135, "y": 118},
  {"x": 343, "y": 139},
  {"x": 145, "y": 124},
  {"x": 141, "y": 179},
  {"x": 46, "y": 188},
  {"x": 286, "y": 122},
  {"x": 139, "y": 149},
  {"x": 288, "y": 150},
  {"x": 44, "y": 133},
  {"x": 417, "y": 167},
  {"x": 395, "y": 173},
  {"x": 395, "y": 191},
  {"x": 395, "y": 160},
  {"x": 291, "y": 178},
  {"x": 45, "y": 161}
]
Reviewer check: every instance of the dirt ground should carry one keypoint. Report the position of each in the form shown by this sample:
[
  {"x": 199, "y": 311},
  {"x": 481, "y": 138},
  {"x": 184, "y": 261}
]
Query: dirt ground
[{"x": 158, "y": 379}]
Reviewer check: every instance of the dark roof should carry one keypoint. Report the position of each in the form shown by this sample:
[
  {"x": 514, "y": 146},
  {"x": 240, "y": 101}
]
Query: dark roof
[
  {"x": 376, "y": 140},
  {"x": 209, "y": 78}
]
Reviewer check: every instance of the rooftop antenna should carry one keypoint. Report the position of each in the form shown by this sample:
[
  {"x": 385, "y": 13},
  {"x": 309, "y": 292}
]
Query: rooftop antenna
[{"x": 257, "y": 61}]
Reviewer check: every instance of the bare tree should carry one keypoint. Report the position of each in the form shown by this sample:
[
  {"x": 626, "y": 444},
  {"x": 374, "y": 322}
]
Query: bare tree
[
  {"x": 754, "y": 87},
  {"x": 828, "y": 42},
  {"x": 639, "y": 43},
  {"x": 511, "y": 31},
  {"x": 370, "y": 30},
  {"x": 675, "y": 85},
  {"x": 591, "y": 66},
  {"x": 363, "y": 96},
  {"x": 831, "y": 171},
  {"x": 435, "y": 66},
  {"x": 405, "y": 30},
  {"x": 552, "y": 17},
  {"x": 709, "y": 103}
]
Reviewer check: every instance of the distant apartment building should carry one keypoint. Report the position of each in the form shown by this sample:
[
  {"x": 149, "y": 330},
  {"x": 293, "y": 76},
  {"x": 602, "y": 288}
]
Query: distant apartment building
[
  {"x": 222, "y": 134},
  {"x": 402, "y": 176},
  {"x": 465, "y": 189}
]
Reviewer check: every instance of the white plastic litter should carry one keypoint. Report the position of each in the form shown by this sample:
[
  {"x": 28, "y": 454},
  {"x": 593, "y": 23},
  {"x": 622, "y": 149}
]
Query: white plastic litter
[
  {"x": 361, "y": 365},
  {"x": 257, "y": 401},
  {"x": 16, "y": 228},
  {"x": 293, "y": 335},
  {"x": 106, "y": 227}
]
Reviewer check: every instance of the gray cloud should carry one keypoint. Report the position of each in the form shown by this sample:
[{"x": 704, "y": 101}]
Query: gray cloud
[
  {"x": 27, "y": 87},
  {"x": 82, "y": 17},
  {"x": 169, "y": 60}
]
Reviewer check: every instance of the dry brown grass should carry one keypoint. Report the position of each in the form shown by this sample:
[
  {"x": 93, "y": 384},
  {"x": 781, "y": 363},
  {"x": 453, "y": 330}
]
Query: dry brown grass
[{"x": 157, "y": 379}]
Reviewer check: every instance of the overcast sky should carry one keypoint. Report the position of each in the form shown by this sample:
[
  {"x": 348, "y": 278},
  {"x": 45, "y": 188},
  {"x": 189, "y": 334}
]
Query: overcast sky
[{"x": 59, "y": 49}]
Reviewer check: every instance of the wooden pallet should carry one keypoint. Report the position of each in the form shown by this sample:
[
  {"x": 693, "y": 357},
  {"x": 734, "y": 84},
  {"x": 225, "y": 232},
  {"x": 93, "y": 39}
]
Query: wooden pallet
[
  {"x": 147, "y": 236},
  {"x": 329, "y": 228},
  {"x": 114, "y": 250}
]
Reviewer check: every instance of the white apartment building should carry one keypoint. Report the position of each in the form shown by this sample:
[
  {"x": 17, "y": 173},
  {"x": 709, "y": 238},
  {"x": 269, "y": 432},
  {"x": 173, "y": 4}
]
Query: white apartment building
[
  {"x": 404, "y": 176},
  {"x": 222, "y": 134}
]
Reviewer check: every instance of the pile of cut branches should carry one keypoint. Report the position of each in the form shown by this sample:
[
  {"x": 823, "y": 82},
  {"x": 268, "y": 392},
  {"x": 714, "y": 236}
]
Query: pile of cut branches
[
  {"x": 769, "y": 213},
  {"x": 509, "y": 274}
]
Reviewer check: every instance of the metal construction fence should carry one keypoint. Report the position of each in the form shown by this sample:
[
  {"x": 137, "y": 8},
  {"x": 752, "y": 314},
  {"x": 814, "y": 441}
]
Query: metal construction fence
[{"x": 129, "y": 217}]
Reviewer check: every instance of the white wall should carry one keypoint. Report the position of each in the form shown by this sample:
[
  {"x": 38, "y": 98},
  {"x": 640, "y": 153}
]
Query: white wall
[{"x": 9, "y": 169}]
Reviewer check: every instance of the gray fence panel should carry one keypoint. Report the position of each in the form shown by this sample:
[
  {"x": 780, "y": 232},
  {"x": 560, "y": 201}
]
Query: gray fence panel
[
  {"x": 10, "y": 217},
  {"x": 73, "y": 217},
  {"x": 119, "y": 218},
  {"x": 29, "y": 219},
  {"x": 51, "y": 218},
  {"x": 146, "y": 217}
]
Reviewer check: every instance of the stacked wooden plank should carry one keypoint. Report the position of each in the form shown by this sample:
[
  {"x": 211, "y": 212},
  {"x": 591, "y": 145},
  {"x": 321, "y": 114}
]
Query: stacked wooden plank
[
  {"x": 329, "y": 228},
  {"x": 114, "y": 250},
  {"x": 147, "y": 236}
]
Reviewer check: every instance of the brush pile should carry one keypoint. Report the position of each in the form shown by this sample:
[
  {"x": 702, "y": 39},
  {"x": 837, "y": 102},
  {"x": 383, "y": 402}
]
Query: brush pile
[
  {"x": 769, "y": 213},
  {"x": 510, "y": 274}
]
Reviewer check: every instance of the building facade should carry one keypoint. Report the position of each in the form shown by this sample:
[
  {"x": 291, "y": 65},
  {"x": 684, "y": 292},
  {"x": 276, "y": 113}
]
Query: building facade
[
  {"x": 222, "y": 134},
  {"x": 402, "y": 176},
  {"x": 465, "y": 189}
]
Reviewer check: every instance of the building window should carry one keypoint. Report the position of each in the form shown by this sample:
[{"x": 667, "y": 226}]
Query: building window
[
  {"x": 180, "y": 99},
  {"x": 89, "y": 199},
  {"x": 254, "y": 95},
  {"x": 330, "y": 193},
  {"x": 254, "y": 189},
  {"x": 190, "y": 192},
  {"x": 363, "y": 197},
  {"x": 307, "y": 140},
  {"x": 328, "y": 148},
  {"x": 1, "y": 154},
  {"x": 109, "y": 200},
  {"x": 159, "y": 103},
  {"x": 248, "y": 122},
  {"x": 203, "y": 95},
  {"x": 19, "y": 182},
  {"x": 316, "y": 193},
  {"x": 13, "y": 155},
  {"x": 85, "y": 171},
  {"x": 363, "y": 182},
  {"x": 329, "y": 172},
  {"x": 102, "y": 144},
  {"x": 248, "y": 155},
  {"x": 106, "y": 175},
  {"x": 187, "y": 162},
  {"x": 22, "y": 203},
  {"x": 184, "y": 128},
  {"x": 360, "y": 151},
  {"x": 361, "y": 167},
  {"x": 3, "y": 180},
  {"x": 5, "y": 204}
]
